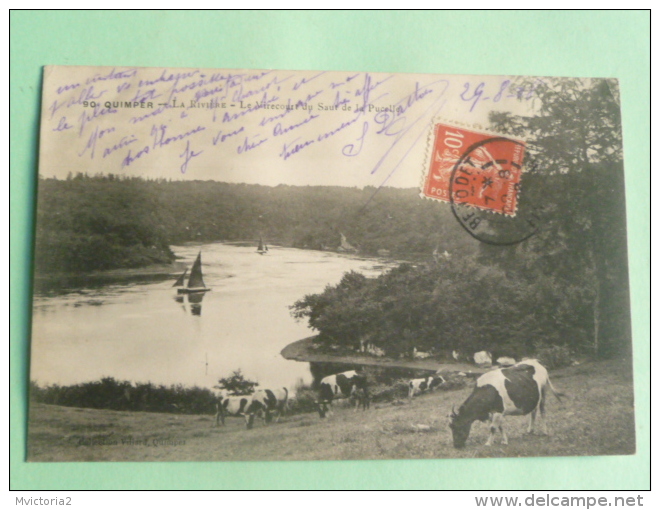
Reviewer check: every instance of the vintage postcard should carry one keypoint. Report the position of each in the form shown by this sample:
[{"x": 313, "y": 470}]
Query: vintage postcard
[{"x": 306, "y": 265}]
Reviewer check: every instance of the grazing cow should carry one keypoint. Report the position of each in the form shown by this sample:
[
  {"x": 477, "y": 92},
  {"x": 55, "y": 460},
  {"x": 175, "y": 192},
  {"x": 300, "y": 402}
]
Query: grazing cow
[
  {"x": 419, "y": 354},
  {"x": 505, "y": 361},
  {"x": 231, "y": 406},
  {"x": 375, "y": 351},
  {"x": 421, "y": 385},
  {"x": 518, "y": 390},
  {"x": 342, "y": 385},
  {"x": 265, "y": 402},
  {"x": 483, "y": 358}
]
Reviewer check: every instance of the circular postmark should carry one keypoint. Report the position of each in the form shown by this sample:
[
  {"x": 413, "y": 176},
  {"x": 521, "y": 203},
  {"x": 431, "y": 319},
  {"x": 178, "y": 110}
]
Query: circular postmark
[{"x": 484, "y": 192}]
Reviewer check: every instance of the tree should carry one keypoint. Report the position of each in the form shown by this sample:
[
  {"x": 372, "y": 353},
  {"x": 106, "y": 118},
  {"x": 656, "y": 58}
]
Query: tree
[
  {"x": 237, "y": 384},
  {"x": 574, "y": 141}
]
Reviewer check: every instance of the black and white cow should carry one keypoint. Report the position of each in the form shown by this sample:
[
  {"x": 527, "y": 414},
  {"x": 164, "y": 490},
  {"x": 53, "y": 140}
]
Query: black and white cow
[
  {"x": 344, "y": 385},
  {"x": 517, "y": 390},
  {"x": 430, "y": 383},
  {"x": 231, "y": 406},
  {"x": 265, "y": 402}
]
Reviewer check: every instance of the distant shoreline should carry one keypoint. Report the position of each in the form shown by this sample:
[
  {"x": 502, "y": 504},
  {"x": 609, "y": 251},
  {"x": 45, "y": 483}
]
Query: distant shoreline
[
  {"x": 152, "y": 270},
  {"x": 47, "y": 283},
  {"x": 302, "y": 350},
  {"x": 172, "y": 269}
]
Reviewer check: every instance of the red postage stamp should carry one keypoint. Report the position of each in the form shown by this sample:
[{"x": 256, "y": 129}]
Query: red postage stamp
[{"x": 474, "y": 168}]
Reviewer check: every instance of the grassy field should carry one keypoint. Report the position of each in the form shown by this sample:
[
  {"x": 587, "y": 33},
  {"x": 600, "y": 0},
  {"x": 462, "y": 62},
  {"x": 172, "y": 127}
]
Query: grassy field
[{"x": 596, "y": 418}]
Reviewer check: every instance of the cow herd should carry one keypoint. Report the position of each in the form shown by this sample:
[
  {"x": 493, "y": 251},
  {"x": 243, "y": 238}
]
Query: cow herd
[{"x": 519, "y": 389}]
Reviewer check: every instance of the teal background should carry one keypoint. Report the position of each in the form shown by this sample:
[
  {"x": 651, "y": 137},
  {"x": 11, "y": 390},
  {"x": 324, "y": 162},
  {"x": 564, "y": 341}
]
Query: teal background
[{"x": 598, "y": 44}]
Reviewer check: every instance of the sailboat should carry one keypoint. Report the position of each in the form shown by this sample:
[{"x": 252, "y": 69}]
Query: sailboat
[
  {"x": 262, "y": 249},
  {"x": 181, "y": 280},
  {"x": 345, "y": 245},
  {"x": 195, "y": 282}
]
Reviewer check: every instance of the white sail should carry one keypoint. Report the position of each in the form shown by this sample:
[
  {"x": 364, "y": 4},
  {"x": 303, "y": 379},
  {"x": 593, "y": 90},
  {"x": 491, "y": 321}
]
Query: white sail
[{"x": 345, "y": 245}]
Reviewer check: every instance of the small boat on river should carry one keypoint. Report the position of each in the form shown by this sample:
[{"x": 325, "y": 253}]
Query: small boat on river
[
  {"x": 181, "y": 280},
  {"x": 195, "y": 282},
  {"x": 345, "y": 246},
  {"x": 262, "y": 249}
]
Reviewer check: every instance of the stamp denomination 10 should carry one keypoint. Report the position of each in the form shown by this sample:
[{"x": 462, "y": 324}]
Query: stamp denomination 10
[{"x": 473, "y": 168}]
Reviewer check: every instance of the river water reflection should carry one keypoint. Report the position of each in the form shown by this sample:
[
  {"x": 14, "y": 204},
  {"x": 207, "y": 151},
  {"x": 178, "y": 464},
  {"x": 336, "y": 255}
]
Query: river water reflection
[{"x": 141, "y": 332}]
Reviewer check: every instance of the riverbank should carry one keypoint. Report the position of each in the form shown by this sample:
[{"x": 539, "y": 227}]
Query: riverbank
[
  {"x": 44, "y": 282},
  {"x": 305, "y": 350},
  {"x": 162, "y": 271}
]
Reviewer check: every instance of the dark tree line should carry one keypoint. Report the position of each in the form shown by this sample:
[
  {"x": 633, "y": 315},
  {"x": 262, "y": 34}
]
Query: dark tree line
[
  {"x": 110, "y": 393},
  {"x": 104, "y": 222}
]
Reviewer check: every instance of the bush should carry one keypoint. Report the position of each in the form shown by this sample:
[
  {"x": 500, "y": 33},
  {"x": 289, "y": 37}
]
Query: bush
[
  {"x": 237, "y": 384},
  {"x": 109, "y": 393},
  {"x": 388, "y": 393},
  {"x": 553, "y": 356},
  {"x": 304, "y": 400}
]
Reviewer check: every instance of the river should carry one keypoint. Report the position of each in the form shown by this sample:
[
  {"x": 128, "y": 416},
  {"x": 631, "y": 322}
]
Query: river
[{"x": 139, "y": 331}]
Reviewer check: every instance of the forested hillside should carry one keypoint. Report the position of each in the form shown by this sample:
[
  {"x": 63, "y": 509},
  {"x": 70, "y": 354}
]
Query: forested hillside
[
  {"x": 101, "y": 222},
  {"x": 88, "y": 223}
]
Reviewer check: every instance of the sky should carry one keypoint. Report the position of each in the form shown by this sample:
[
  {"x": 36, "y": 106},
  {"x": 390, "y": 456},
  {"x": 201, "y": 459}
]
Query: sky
[{"x": 267, "y": 127}]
